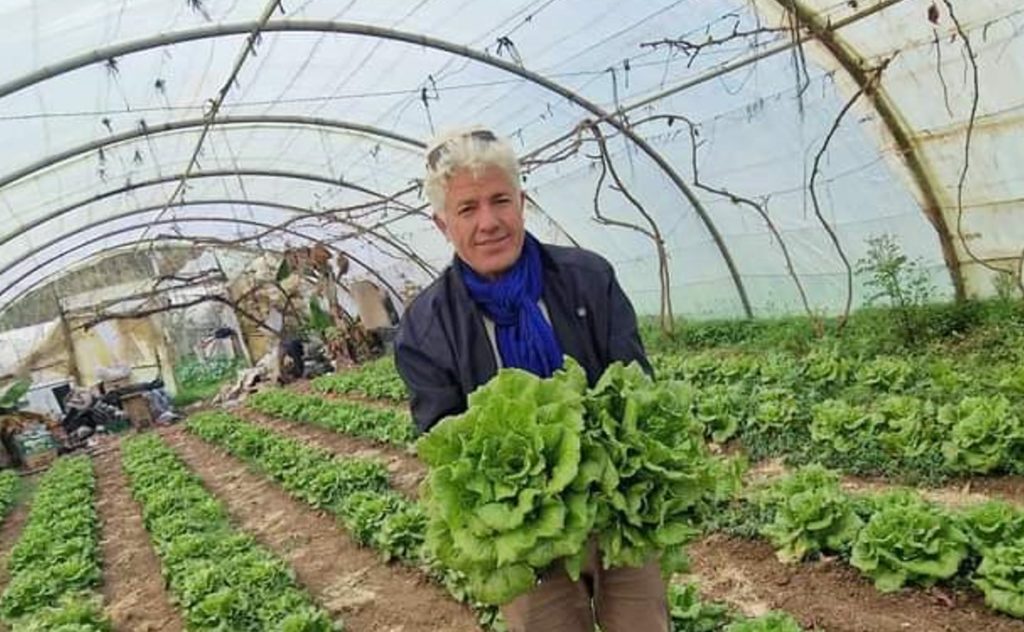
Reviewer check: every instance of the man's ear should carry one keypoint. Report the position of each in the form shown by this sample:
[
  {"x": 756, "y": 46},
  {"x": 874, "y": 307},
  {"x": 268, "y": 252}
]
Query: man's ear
[{"x": 440, "y": 223}]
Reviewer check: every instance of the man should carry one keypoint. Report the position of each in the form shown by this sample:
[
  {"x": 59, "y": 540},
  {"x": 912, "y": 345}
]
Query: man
[
  {"x": 215, "y": 341},
  {"x": 509, "y": 301}
]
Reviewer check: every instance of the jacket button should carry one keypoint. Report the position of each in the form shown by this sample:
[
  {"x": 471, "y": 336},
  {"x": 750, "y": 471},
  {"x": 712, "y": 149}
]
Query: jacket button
[{"x": 581, "y": 312}]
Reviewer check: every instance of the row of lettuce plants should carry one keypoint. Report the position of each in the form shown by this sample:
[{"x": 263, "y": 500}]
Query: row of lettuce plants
[
  {"x": 360, "y": 420},
  {"x": 8, "y": 491},
  {"x": 824, "y": 372},
  {"x": 903, "y": 435},
  {"x": 895, "y": 538},
  {"x": 828, "y": 372},
  {"x": 222, "y": 579},
  {"x": 353, "y": 490},
  {"x": 55, "y": 565},
  {"x": 377, "y": 380}
]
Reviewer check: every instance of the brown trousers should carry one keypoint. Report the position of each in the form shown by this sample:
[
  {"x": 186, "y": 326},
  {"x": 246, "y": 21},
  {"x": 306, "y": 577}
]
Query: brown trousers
[{"x": 617, "y": 599}]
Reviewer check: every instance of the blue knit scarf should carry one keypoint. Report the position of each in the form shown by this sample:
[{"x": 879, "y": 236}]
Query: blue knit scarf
[{"x": 525, "y": 338}]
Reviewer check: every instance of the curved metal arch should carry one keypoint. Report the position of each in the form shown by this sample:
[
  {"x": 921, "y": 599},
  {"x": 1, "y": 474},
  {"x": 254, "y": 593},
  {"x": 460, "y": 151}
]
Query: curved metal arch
[
  {"x": 88, "y": 147},
  {"x": 202, "y": 174},
  {"x": 185, "y": 124},
  {"x": 321, "y": 26},
  {"x": 894, "y": 124},
  {"x": 156, "y": 207},
  {"x": 141, "y": 225}
]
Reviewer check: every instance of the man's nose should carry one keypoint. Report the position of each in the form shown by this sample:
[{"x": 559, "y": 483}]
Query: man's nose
[{"x": 488, "y": 218}]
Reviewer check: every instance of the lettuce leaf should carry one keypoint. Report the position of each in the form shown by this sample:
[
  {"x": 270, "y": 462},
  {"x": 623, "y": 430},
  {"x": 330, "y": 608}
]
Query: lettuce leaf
[
  {"x": 506, "y": 493},
  {"x": 811, "y": 514},
  {"x": 663, "y": 477},
  {"x": 908, "y": 540}
]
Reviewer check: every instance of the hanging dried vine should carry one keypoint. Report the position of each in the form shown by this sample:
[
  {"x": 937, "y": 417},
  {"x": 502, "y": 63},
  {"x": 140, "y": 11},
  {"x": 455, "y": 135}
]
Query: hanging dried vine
[
  {"x": 691, "y": 48},
  {"x": 144, "y": 313},
  {"x": 653, "y": 233},
  {"x": 816, "y": 171},
  {"x": 761, "y": 208},
  {"x": 972, "y": 61}
]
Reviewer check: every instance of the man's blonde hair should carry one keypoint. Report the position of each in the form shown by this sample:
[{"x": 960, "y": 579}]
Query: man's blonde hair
[{"x": 474, "y": 148}]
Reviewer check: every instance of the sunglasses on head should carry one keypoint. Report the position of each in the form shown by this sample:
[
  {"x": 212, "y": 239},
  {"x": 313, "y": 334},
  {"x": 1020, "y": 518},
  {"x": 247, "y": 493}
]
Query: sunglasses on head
[{"x": 435, "y": 155}]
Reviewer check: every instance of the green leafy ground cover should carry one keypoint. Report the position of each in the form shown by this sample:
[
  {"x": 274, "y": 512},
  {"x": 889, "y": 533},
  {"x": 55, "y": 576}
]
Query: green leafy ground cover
[
  {"x": 969, "y": 328},
  {"x": 54, "y": 566},
  {"x": 198, "y": 380},
  {"x": 377, "y": 379},
  {"x": 353, "y": 490},
  {"x": 692, "y": 614},
  {"x": 222, "y": 579},
  {"x": 360, "y": 420},
  {"x": 894, "y": 538},
  {"x": 8, "y": 491},
  {"x": 917, "y": 419}
]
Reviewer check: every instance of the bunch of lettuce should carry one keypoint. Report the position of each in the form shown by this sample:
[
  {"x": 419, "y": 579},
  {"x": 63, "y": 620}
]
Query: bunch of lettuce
[
  {"x": 507, "y": 491},
  {"x": 721, "y": 408},
  {"x": 886, "y": 374},
  {"x": 656, "y": 476},
  {"x": 842, "y": 426},
  {"x": 1001, "y": 577},
  {"x": 984, "y": 434},
  {"x": 992, "y": 523},
  {"x": 737, "y": 369},
  {"x": 776, "y": 409},
  {"x": 826, "y": 368},
  {"x": 535, "y": 466},
  {"x": 811, "y": 514},
  {"x": 908, "y": 425},
  {"x": 908, "y": 540}
]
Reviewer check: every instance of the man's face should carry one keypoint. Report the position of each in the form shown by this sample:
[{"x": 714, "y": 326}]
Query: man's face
[{"x": 483, "y": 220}]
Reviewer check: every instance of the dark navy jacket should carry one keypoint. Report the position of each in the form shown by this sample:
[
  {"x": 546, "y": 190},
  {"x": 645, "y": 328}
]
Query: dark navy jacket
[{"x": 443, "y": 353}]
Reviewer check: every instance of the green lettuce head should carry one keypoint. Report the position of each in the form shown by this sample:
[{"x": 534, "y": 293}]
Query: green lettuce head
[
  {"x": 507, "y": 492},
  {"x": 659, "y": 476}
]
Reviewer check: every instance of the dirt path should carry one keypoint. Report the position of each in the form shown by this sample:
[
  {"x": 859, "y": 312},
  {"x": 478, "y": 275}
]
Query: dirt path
[
  {"x": 348, "y": 580},
  {"x": 133, "y": 586},
  {"x": 957, "y": 493},
  {"x": 406, "y": 471},
  {"x": 831, "y": 596},
  {"x": 969, "y": 492}
]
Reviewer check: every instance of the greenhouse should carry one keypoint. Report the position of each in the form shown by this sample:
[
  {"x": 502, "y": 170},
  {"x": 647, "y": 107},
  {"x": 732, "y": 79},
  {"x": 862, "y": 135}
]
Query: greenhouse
[{"x": 381, "y": 315}]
